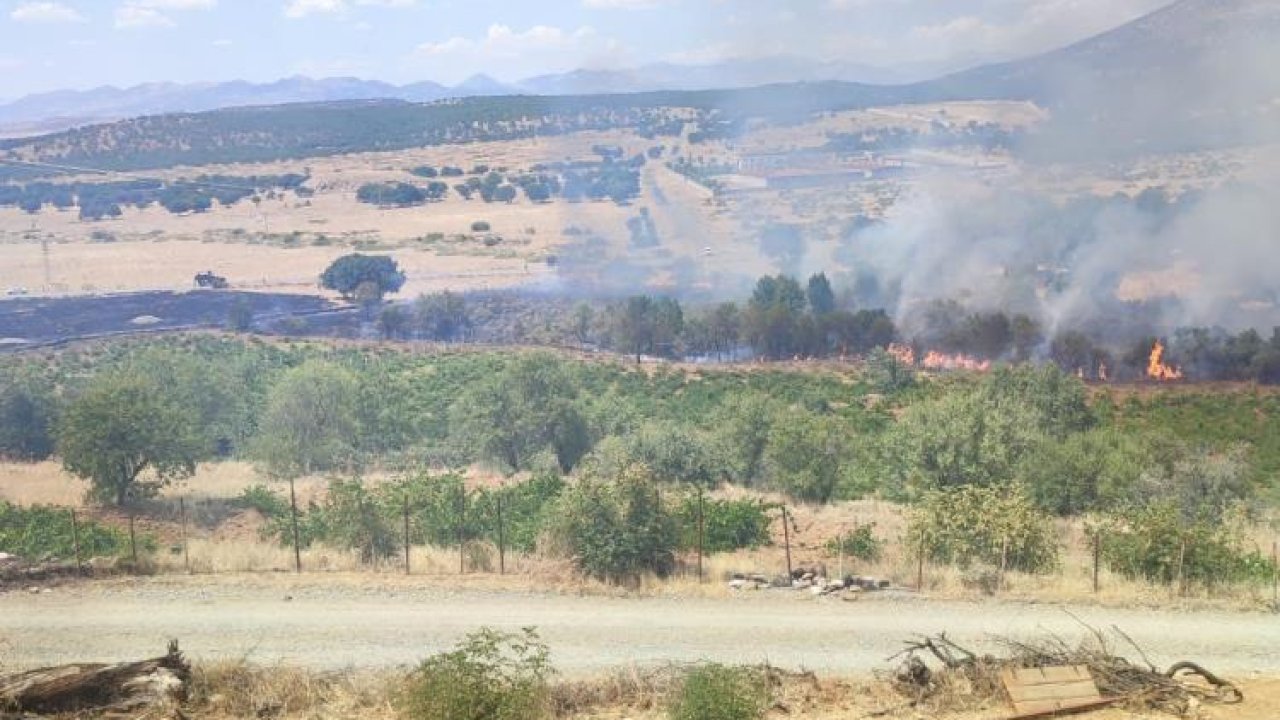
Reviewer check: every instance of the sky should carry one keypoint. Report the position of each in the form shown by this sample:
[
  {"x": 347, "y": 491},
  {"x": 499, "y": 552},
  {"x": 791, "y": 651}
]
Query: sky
[{"x": 75, "y": 44}]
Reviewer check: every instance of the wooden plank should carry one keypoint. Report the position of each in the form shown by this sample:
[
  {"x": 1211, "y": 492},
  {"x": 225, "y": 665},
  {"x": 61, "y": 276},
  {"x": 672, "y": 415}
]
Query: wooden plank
[
  {"x": 1078, "y": 689},
  {"x": 1037, "y": 692},
  {"x": 1041, "y": 676},
  {"x": 1058, "y": 711}
]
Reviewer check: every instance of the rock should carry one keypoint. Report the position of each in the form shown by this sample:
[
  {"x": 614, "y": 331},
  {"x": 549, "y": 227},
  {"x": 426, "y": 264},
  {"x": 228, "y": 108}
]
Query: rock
[{"x": 737, "y": 584}]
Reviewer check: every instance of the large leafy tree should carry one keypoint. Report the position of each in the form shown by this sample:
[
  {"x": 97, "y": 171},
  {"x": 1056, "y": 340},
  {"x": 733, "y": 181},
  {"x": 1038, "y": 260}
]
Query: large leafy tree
[
  {"x": 358, "y": 274},
  {"x": 614, "y": 528},
  {"x": 310, "y": 422},
  {"x": 526, "y": 410},
  {"x": 128, "y": 437},
  {"x": 644, "y": 325},
  {"x": 25, "y": 425}
]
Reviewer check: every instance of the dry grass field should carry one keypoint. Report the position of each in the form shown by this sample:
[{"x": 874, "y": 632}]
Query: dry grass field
[{"x": 225, "y": 540}]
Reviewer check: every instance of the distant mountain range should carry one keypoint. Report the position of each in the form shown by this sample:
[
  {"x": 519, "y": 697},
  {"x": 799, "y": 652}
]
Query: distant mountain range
[
  {"x": 53, "y": 111},
  {"x": 1194, "y": 74}
]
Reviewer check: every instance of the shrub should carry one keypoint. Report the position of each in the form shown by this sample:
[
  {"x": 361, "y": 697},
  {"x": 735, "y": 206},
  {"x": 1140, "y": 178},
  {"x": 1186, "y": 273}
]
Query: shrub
[
  {"x": 973, "y": 524},
  {"x": 1156, "y": 543},
  {"x": 45, "y": 531},
  {"x": 614, "y": 529},
  {"x": 480, "y": 226},
  {"x": 728, "y": 525},
  {"x": 722, "y": 692},
  {"x": 264, "y": 500},
  {"x": 860, "y": 543},
  {"x": 489, "y": 675}
]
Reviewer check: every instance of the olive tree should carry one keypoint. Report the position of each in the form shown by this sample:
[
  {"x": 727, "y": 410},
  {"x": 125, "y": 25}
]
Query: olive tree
[{"x": 127, "y": 437}]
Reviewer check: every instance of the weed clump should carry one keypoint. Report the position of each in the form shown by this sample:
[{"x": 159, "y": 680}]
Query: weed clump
[
  {"x": 489, "y": 675},
  {"x": 722, "y": 692}
]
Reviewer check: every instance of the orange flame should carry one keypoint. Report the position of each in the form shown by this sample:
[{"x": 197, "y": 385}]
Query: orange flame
[
  {"x": 938, "y": 361},
  {"x": 1157, "y": 370},
  {"x": 902, "y": 354}
]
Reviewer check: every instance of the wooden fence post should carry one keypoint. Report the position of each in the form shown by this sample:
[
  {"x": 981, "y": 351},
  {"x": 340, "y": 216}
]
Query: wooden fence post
[
  {"x": 75, "y": 541},
  {"x": 186, "y": 550},
  {"x": 701, "y": 534},
  {"x": 502, "y": 538},
  {"x": 406, "y": 534},
  {"x": 920, "y": 562},
  {"x": 1004, "y": 562},
  {"x": 1182, "y": 557},
  {"x": 1097, "y": 557},
  {"x": 1275, "y": 575},
  {"x": 293, "y": 514},
  {"x": 133, "y": 543},
  {"x": 462, "y": 542},
  {"x": 786, "y": 539}
]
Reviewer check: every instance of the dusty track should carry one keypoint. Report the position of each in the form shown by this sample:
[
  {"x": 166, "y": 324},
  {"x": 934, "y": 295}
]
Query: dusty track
[{"x": 354, "y": 621}]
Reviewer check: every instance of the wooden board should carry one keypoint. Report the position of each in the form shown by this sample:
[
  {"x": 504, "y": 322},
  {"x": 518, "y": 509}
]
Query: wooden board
[{"x": 1044, "y": 692}]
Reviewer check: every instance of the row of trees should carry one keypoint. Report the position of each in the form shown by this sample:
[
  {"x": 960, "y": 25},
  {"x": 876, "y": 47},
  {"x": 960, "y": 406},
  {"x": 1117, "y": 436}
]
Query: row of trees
[
  {"x": 1017, "y": 441},
  {"x": 106, "y": 199}
]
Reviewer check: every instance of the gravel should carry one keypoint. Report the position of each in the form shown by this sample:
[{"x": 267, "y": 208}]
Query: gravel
[{"x": 351, "y": 623}]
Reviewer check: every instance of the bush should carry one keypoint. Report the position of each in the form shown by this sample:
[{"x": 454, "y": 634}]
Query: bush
[
  {"x": 728, "y": 525},
  {"x": 264, "y": 500},
  {"x": 480, "y": 226},
  {"x": 972, "y": 524},
  {"x": 614, "y": 529},
  {"x": 1156, "y": 543},
  {"x": 44, "y": 531},
  {"x": 722, "y": 692},
  {"x": 489, "y": 675},
  {"x": 860, "y": 543}
]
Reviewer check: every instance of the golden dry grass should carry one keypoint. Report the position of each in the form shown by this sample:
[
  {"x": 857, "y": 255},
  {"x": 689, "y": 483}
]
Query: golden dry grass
[
  {"x": 237, "y": 689},
  {"x": 235, "y": 546}
]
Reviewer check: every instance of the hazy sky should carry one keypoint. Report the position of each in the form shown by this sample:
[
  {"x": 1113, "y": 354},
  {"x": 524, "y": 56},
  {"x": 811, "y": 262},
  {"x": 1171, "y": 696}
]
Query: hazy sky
[{"x": 52, "y": 44}]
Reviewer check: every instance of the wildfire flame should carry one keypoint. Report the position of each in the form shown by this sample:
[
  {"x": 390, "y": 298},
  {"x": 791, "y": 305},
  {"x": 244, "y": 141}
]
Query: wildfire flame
[
  {"x": 939, "y": 361},
  {"x": 902, "y": 354},
  {"x": 934, "y": 360},
  {"x": 1157, "y": 370}
]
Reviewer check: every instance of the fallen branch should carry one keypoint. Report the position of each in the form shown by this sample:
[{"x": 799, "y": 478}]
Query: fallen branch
[{"x": 117, "y": 688}]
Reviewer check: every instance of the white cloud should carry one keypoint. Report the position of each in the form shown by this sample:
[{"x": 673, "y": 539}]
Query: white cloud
[
  {"x": 223, "y": 42},
  {"x": 388, "y": 3},
  {"x": 136, "y": 16},
  {"x": 303, "y": 8},
  {"x": 148, "y": 13},
  {"x": 45, "y": 12},
  {"x": 502, "y": 41},
  {"x": 623, "y": 4},
  {"x": 174, "y": 4}
]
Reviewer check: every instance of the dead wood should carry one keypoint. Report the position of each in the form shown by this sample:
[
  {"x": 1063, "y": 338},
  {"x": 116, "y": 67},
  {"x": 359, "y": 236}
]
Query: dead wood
[{"x": 114, "y": 688}]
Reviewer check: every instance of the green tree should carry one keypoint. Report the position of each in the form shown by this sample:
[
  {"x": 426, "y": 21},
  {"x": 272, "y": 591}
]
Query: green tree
[
  {"x": 645, "y": 325},
  {"x": 821, "y": 298},
  {"x": 442, "y": 316},
  {"x": 957, "y": 440},
  {"x": 1086, "y": 472},
  {"x": 348, "y": 273},
  {"x": 615, "y": 528},
  {"x": 773, "y": 319},
  {"x": 804, "y": 455},
  {"x": 127, "y": 437},
  {"x": 393, "y": 322},
  {"x": 527, "y": 409},
  {"x": 309, "y": 424},
  {"x": 25, "y": 423}
]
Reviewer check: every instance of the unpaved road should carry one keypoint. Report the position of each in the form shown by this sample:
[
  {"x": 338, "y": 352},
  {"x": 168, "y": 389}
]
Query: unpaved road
[{"x": 344, "y": 622}]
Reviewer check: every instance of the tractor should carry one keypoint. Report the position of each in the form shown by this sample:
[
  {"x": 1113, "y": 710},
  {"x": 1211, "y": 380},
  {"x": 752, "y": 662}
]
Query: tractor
[{"x": 207, "y": 279}]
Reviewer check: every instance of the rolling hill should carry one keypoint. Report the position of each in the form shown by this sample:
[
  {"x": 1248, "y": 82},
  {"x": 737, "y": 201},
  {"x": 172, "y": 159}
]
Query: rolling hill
[{"x": 1195, "y": 74}]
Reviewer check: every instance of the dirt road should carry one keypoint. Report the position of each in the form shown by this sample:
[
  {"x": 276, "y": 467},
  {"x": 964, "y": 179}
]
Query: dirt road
[{"x": 344, "y": 622}]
